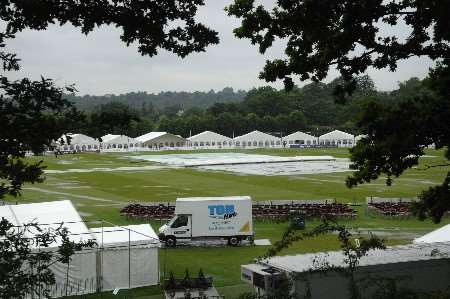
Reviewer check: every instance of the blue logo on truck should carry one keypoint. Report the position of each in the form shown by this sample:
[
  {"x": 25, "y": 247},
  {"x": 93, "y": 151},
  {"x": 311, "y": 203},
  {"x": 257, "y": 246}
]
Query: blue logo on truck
[{"x": 222, "y": 211}]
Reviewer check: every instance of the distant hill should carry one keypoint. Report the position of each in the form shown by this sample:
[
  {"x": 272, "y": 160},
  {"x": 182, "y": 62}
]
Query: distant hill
[{"x": 182, "y": 100}]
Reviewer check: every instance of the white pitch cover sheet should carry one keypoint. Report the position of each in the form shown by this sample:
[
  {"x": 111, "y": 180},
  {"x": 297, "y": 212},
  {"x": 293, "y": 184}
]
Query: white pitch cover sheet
[{"x": 251, "y": 164}]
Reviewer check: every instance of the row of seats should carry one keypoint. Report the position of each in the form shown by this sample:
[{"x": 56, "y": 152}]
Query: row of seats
[
  {"x": 162, "y": 211},
  {"x": 308, "y": 210},
  {"x": 148, "y": 211},
  {"x": 392, "y": 208}
]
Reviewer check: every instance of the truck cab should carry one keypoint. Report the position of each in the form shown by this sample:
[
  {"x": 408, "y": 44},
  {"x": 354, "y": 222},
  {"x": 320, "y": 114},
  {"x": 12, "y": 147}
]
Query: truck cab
[{"x": 179, "y": 227}]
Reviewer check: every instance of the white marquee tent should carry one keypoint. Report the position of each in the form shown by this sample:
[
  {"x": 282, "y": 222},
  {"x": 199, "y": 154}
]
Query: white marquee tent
[
  {"x": 87, "y": 266},
  {"x": 257, "y": 139},
  {"x": 82, "y": 268},
  {"x": 119, "y": 142},
  {"x": 337, "y": 138},
  {"x": 161, "y": 140},
  {"x": 78, "y": 142},
  {"x": 209, "y": 139},
  {"x": 141, "y": 262},
  {"x": 300, "y": 138},
  {"x": 437, "y": 236}
]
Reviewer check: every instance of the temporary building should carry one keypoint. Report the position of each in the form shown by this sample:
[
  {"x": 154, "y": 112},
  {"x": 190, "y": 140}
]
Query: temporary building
[
  {"x": 424, "y": 265},
  {"x": 119, "y": 142},
  {"x": 123, "y": 256},
  {"x": 439, "y": 235},
  {"x": 129, "y": 256},
  {"x": 209, "y": 139},
  {"x": 256, "y": 139},
  {"x": 337, "y": 138},
  {"x": 300, "y": 138},
  {"x": 81, "y": 275},
  {"x": 78, "y": 142},
  {"x": 158, "y": 140}
]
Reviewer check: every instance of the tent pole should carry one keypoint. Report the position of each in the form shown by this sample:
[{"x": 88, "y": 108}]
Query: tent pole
[
  {"x": 101, "y": 259},
  {"x": 129, "y": 259}
]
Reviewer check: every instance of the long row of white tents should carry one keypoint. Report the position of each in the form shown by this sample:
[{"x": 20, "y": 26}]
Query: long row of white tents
[
  {"x": 261, "y": 139},
  {"x": 206, "y": 139}
]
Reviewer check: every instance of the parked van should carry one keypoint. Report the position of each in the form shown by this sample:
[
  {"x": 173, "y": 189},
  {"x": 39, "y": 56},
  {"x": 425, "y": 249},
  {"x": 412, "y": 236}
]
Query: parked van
[{"x": 227, "y": 218}]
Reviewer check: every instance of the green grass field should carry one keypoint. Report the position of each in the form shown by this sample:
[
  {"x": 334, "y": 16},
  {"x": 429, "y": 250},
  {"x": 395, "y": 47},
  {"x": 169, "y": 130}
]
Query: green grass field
[{"x": 100, "y": 194}]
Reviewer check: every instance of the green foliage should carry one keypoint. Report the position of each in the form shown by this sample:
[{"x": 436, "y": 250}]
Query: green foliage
[
  {"x": 397, "y": 135},
  {"x": 343, "y": 34},
  {"x": 434, "y": 202},
  {"x": 112, "y": 118},
  {"x": 310, "y": 108},
  {"x": 32, "y": 114},
  {"x": 152, "y": 26},
  {"x": 151, "y": 105}
]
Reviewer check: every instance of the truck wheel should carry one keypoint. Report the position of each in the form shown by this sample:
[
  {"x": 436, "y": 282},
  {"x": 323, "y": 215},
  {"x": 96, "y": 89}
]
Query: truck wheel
[
  {"x": 171, "y": 242},
  {"x": 234, "y": 241}
]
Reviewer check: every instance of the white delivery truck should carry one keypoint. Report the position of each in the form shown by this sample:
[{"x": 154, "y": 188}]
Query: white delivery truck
[{"x": 227, "y": 218}]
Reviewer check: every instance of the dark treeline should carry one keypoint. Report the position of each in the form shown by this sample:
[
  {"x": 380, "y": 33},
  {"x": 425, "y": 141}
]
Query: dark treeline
[
  {"x": 311, "y": 108},
  {"x": 163, "y": 103}
]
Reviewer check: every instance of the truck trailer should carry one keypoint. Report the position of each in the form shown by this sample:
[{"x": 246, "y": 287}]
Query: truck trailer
[{"x": 228, "y": 218}]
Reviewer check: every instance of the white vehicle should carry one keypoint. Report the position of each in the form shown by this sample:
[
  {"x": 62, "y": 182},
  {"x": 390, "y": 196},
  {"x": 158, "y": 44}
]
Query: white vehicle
[{"x": 227, "y": 218}]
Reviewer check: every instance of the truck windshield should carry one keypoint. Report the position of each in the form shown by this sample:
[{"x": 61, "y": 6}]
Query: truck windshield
[{"x": 182, "y": 220}]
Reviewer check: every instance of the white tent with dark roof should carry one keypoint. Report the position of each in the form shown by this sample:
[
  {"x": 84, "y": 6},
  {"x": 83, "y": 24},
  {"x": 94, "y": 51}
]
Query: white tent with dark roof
[
  {"x": 257, "y": 139},
  {"x": 119, "y": 142},
  {"x": 300, "y": 138},
  {"x": 337, "y": 138},
  {"x": 78, "y": 142},
  {"x": 209, "y": 139}
]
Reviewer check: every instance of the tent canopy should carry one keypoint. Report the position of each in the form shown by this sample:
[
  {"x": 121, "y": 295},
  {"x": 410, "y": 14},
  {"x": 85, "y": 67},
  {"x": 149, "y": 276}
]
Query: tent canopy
[
  {"x": 209, "y": 136},
  {"x": 155, "y": 135},
  {"x": 142, "y": 234},
  {"x": 439, "y": 235},
  {"x": 48, "y": 215},
  {"x": 79, "y": 139},
  {"x": 299, "y": 136},
  {"x": 118, "y": 139},
  {"x": 150, "y": 136},
  {"x": 336, "y": 135},
  {"x": 256, "y": 136}
]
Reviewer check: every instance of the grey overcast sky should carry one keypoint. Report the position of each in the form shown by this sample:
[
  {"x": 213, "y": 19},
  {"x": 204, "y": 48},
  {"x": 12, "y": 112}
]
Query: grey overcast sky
[{"x": 100, "y": 63}]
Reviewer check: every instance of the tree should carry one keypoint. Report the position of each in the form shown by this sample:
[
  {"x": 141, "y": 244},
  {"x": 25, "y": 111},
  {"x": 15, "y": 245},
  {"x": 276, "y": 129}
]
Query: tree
[
  {"x": 347, "y": 35},
  {"x": 34, "y": 113},
  {"x": 342, "y": 33},
  {"x": 112, "y": 117}
]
